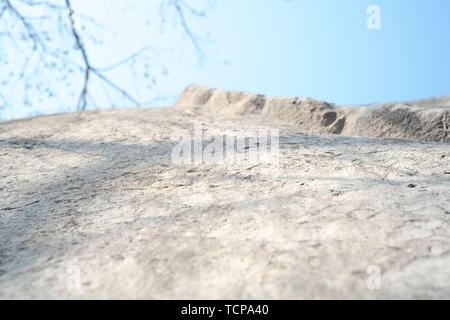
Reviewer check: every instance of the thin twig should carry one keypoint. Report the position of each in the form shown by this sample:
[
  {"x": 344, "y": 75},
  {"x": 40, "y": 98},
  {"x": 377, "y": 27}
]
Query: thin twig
[
  {"x": 187, "y": 29},
  {"x": 88, "y": 68},
  {"x": 82, "y": 99},
  {"x": 28, "y": 27}
]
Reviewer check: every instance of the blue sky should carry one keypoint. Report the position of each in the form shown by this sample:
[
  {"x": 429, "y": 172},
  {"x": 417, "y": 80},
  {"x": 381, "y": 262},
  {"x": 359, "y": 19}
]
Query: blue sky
[
  {"x": 307, "y": 48},
  {"x": 323, "y": 49}
]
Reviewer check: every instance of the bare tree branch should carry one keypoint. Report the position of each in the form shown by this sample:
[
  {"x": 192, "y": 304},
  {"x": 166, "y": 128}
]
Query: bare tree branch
[
  {"x": 115, "y": 87},
  {"x": 29, "y": 28},
  {"x": 82, "y": 102},
  {"x": 36, "y": 57},
  {"x": 187, "y": 30}
]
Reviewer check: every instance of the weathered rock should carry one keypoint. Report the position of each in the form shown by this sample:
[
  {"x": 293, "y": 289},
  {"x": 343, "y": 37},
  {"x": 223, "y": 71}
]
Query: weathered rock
[
  {"x": 92, "y": 206},
  {"x": 426, "y": 120}
]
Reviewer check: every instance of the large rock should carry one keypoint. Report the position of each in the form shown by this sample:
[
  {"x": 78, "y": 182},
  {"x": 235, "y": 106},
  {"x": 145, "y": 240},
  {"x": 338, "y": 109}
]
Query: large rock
[
  {"x": 426, "y": 120},
  {"x": 92, "y": 205}
]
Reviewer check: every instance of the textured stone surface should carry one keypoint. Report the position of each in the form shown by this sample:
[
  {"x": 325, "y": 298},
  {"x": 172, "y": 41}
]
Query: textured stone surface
[
  {"x": 95, "y": 197},
  {"x": 424, "y": 120}
]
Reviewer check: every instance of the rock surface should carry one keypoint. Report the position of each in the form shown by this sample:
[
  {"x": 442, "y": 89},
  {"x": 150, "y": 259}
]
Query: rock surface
[
  {"x": 92, "y": 206},
  {"x": 425, "y": 120}
]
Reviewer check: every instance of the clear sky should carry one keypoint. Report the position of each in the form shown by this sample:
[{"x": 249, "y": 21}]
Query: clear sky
[
  {"x": 309, "y": 48},
  {"x": 323, "y": 49}
]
